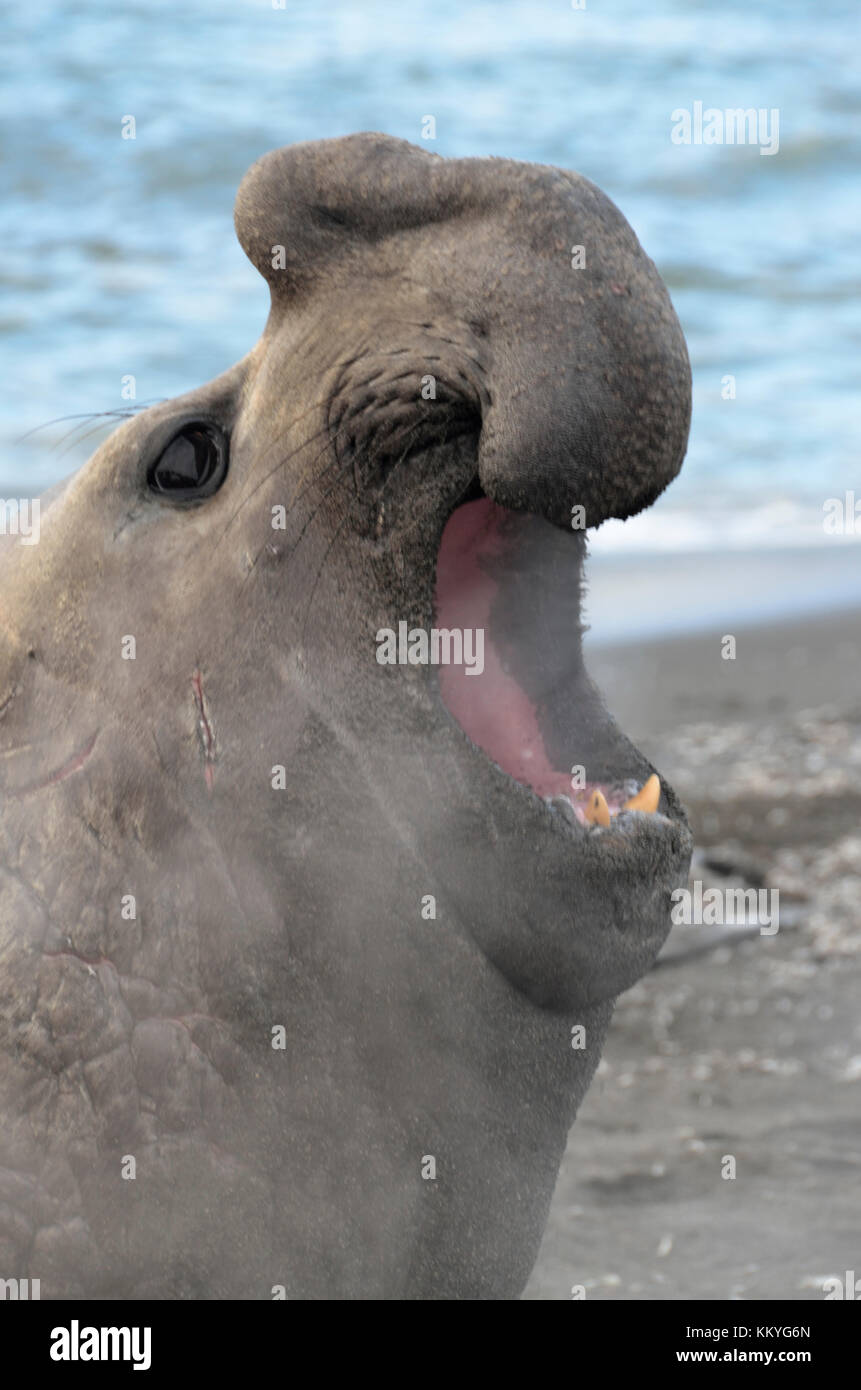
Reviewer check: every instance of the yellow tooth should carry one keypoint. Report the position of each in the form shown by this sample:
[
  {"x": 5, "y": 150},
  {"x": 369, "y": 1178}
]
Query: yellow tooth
[
  {"x": 597, "y": 811},
  {"x": 647, "y": 797}
]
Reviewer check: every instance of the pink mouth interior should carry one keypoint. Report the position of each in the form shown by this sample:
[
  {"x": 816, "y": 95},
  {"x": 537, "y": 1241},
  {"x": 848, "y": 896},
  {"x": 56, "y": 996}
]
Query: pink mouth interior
[{"x": 491, "y": 708}]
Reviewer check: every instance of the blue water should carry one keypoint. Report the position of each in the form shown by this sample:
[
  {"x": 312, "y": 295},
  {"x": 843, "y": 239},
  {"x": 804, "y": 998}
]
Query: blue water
[{"x": 119, "y": 255}]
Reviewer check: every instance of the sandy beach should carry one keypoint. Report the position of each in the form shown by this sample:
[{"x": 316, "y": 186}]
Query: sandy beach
[{"x": 737, "y": 1044}]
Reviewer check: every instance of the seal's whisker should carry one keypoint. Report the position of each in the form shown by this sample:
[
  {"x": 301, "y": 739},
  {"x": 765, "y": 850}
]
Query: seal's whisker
[
  {"x": 300, "y": 381},
  {"x": 72, "y": 443},
  {"x": 295, "y": 420},
  {"x": 310, "y": 479},
  {"x": 123, "y": 414},
  {"x": 396, "y": 465},
  {"x": 339, "y": 528},
  {"x": 103, "y": 424},
  {"x": 258, "y": 485},
  {"x": 318, "y": 478},
  {"x": 337, "y": 482}
]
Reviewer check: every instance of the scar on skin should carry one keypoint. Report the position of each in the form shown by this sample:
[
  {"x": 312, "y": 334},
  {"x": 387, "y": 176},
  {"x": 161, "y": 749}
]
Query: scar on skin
[
  {"x": 204, "y": 729},
  {"x": 73, "y": 764}
]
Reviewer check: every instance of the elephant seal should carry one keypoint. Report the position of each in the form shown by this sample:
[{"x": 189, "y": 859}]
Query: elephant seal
[{"x": 306, "y": 954}]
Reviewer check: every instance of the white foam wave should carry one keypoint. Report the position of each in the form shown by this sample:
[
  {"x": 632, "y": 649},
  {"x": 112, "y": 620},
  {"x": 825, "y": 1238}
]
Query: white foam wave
[{"x": 779, "y": 525}]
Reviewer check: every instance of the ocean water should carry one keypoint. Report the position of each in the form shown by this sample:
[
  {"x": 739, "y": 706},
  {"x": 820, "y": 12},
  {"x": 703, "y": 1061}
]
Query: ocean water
[{"x": 119, "y": 257}]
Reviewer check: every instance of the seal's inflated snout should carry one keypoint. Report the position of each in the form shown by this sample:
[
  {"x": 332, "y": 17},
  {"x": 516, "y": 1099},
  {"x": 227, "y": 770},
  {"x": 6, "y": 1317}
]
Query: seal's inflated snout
[{"x": 587, "y": 400}]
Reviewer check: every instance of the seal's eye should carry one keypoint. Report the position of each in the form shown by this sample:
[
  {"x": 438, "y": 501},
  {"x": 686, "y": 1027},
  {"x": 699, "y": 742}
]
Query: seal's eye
[{"x": 193, "y": 464}]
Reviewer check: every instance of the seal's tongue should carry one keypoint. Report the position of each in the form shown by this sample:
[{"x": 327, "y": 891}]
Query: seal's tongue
[
  {"x": 491, "y": 708},
  {"x": 479, "y": 545}
]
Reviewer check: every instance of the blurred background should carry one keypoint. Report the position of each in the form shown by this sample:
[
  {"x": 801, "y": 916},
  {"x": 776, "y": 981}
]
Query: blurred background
[{"x": 120, "y": 258}]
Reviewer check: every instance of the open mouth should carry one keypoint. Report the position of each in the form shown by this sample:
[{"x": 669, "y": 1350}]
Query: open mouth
[{"x": 510, "y": 583}]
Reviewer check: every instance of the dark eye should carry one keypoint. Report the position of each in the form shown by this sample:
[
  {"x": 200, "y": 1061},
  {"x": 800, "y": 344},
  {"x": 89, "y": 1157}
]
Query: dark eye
[{"x": 193, "y": 465}]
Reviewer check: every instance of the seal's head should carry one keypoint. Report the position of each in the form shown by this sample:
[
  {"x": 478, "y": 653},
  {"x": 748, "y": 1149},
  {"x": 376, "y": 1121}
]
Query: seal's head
[{"x": 314, "y": 829}]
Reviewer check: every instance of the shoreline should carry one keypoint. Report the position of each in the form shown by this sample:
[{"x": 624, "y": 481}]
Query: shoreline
[
  {"x": 796, "y": 663},
  {"x": 662, "y": 594}
]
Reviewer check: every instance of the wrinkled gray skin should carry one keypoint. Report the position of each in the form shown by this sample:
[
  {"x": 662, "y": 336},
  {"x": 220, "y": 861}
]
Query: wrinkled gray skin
[{"x": 301, "y": 907}]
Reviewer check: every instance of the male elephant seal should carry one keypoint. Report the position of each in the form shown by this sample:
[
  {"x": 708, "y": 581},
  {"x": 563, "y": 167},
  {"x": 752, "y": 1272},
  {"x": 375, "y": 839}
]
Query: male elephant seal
[{"x": 295, "y": 941}]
